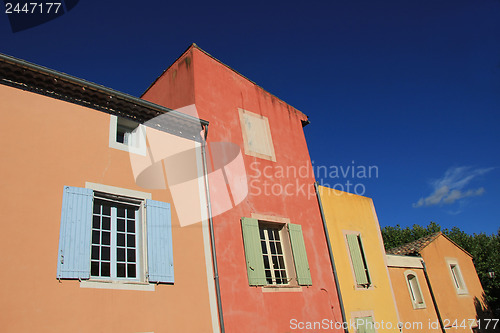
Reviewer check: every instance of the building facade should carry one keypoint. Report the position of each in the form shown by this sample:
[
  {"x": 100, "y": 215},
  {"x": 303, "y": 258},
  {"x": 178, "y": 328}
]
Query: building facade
[
  {"x": 453, "y": 278},
  {"x": 274, "y": 271},
  {"x": 92, "y": 231},
  {"x": 359, "y": 257}
]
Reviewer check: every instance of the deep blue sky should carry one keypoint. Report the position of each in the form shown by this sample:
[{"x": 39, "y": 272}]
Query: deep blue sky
[{"x": 412, "y": 87}]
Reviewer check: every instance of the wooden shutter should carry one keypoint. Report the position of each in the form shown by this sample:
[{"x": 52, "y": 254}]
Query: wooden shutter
[
  {"x": 299, "y": 255},
  {"x": 253, "y": 252},
  {"x": 159, "y": 237},
  {"x": 73, "y": 260},
  {"x": 357, "y": 259},
  {"x": 365, "y": 325}
]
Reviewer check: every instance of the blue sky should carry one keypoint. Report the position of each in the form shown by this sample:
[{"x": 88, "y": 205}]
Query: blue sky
[{"x": 411, "y": 87}]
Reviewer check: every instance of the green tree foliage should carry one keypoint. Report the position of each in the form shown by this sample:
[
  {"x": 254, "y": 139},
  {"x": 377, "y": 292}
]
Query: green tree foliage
[{"x": 484, "y": 248}]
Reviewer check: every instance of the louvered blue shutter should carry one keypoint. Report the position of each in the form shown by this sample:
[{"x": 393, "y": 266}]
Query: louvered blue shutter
[
  {"x": 73, "y": 260},
  {"x": 299, "y": 255},
  {"x": 159, "y": 234},
  {"x": 253, "y": 252}
]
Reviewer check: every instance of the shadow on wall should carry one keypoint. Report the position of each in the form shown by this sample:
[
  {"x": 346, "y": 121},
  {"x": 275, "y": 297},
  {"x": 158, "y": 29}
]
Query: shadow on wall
[{"x": 487, "y": 319}]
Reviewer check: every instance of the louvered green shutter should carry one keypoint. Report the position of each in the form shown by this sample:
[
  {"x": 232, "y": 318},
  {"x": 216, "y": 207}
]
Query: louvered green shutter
[
  {"x": 253, "y": 252},
  {"x": 357, "y": 259},
  {"x": 299, "y": 255},
  {"x": 73, "y": 260}
]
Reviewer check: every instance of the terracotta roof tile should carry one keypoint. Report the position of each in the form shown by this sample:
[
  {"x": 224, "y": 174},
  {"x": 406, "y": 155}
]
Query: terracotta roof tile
[{"x": 415, "y": 246}]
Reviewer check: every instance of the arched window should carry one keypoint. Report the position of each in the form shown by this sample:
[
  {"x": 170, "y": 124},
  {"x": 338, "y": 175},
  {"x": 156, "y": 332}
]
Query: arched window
[{"x": 416, "y": 296}]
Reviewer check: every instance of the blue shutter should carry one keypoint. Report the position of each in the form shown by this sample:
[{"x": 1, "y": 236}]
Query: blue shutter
[
  {"x": 159, "y": 234},
  {"x": 73, "y": 260}
]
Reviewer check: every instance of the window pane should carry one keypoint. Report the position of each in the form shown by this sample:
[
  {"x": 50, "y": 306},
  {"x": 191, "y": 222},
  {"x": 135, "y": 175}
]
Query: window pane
[
  {"x": 131, "y": 255},
  {"x": 131, "y": 240},
  {"x": 106, "y": 223},
  {"x": 120, "y": 212},
  {"x": 94, "y": 268},
  {"x": 270, "y": 234},
  {"x": 96, "y": 222},
  {"x": 266, "y": 263},
  {"x": 105, "y": 269},
  {"x": 272, "y": 245},
  {"x": 120, "y": 270},
  {"x": 120, "y": 254},
  {"x": 106, "y": 238},
  {"x": 131, "y": 270},
  {"x": 97, "y": 208},
  {"x": 120, "y": 239},
  {"x": 95, "y": 252},
  {"x": 106, "y": 210},
  {"x": 95, "y": 237},
  {"x": 105, "y": 253},
  {"x": 261, "y": 232},
  {"x": 131, "y": 213},
  {"x": 130, "y": 226},
  {"x": 278, "y": 248},
  {"x": 120, "y": 225},
  {"x": 264, "y": 247}
]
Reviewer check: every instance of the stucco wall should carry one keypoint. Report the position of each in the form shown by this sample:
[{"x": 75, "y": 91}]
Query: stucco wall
[
  {"x": 48, "y": 144},
  {"x": 219, "y": 94},
  {"x": 345, "y": 213}
]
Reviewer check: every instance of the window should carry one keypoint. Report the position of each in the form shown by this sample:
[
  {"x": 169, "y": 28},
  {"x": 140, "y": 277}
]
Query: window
[
  {"x": 118, "y": 235},
  {"x": 416, "y": 297},
  {"x": 358, "y": 260},
  {"x": 275, "y": 253},
  {"x": 365, "y": 325},
  {"x": 127, "y": 135},
  {"x": 457, "y": 278},
  {"x": 257, "y": 135}
]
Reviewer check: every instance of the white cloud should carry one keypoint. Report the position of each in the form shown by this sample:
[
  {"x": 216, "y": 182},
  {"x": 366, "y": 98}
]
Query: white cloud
[{"x": 450, "y": 188}]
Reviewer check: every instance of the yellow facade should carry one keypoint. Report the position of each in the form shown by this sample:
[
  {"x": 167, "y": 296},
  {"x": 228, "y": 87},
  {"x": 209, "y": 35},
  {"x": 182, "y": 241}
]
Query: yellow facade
[{"x": 349, "y": 214}]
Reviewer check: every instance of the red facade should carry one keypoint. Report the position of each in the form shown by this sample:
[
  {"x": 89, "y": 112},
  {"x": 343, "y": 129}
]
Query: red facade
[{"x": 280, "y": 188}]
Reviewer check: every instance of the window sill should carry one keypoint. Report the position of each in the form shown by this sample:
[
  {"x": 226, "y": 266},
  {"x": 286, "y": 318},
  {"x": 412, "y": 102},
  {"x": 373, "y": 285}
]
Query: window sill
[
  {"x": 117, "y": 285},
  {"x": 283, "y": 289}
]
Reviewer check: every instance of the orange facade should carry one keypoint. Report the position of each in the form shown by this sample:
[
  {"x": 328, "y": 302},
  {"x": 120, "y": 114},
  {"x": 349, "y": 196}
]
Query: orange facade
[
  {"x": 50, "y": 144},
  {"x": 274, "y": 189}
]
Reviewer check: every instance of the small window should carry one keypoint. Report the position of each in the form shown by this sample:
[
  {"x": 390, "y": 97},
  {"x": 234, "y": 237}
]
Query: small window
[
  {"x": 457, "y": 278},
  {"x": 275, "y": 253},
  {"x": 257, "y": 138},
  {"x": 127, "y": 135},
  {"x": 416, "y": 297},
  {"x": 101, "y": 236},
  {"x": 358, "y": 260},
  {"x": 365, "y": 325}
]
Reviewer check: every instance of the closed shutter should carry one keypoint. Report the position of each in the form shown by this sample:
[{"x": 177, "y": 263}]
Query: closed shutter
[
  {"x": 357, "y": 259},
  {"x": 74, "y": 235},
  {"x": 253, "y": 252},
  {"x": 159, "y": 236},
  {"x": 365, "y": 325},
  {"x": 299, "y": 255}
]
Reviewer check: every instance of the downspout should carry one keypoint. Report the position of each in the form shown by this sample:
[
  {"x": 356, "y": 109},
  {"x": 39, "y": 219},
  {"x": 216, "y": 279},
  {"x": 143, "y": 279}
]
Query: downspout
[
  {"x": 332, "y": 261},
  {"x": 432, "y": 296},
  {"x": 211, "y": 227}
]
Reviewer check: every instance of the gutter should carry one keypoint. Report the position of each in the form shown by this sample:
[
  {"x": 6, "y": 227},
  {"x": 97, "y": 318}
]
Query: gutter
[
  {"x": 211, "y": 226},
  {"x": 332, "y": 260},
  {"x": 433, "y": 298}
]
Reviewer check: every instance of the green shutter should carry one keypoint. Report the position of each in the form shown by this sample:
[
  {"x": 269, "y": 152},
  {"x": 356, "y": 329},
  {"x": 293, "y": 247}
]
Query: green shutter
[
  {"x": 365, "y": 325},
  {"x": 357, "y": 259},
  {"x": 299, "y": 255},
  {"x": 253, "y": 252}
]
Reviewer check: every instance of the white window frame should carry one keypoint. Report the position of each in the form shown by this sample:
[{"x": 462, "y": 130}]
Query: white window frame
[
  {"x": 286, "y": 253},
  {"x": 456, "y": 276},
  {"x": 140, "y": 282},
  {"x": 414, "y": 289},
  {"x": 136, "y": 142}
]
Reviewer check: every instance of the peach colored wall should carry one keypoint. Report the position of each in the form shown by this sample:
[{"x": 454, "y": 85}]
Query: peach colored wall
[
  {"x": 219, "y": 92},
  {"x": 48, "y": 144},
  {"x": 344, "y": 213},
  {"x": 452, "y": 306},
  {"x": 407, "y": 314}
]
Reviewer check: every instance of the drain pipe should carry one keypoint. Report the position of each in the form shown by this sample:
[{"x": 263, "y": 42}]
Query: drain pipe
[
  {"x": 332, "y": 261},
  {"x": 432, "y": 296},
  {"x": 211, "y": 227}
]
